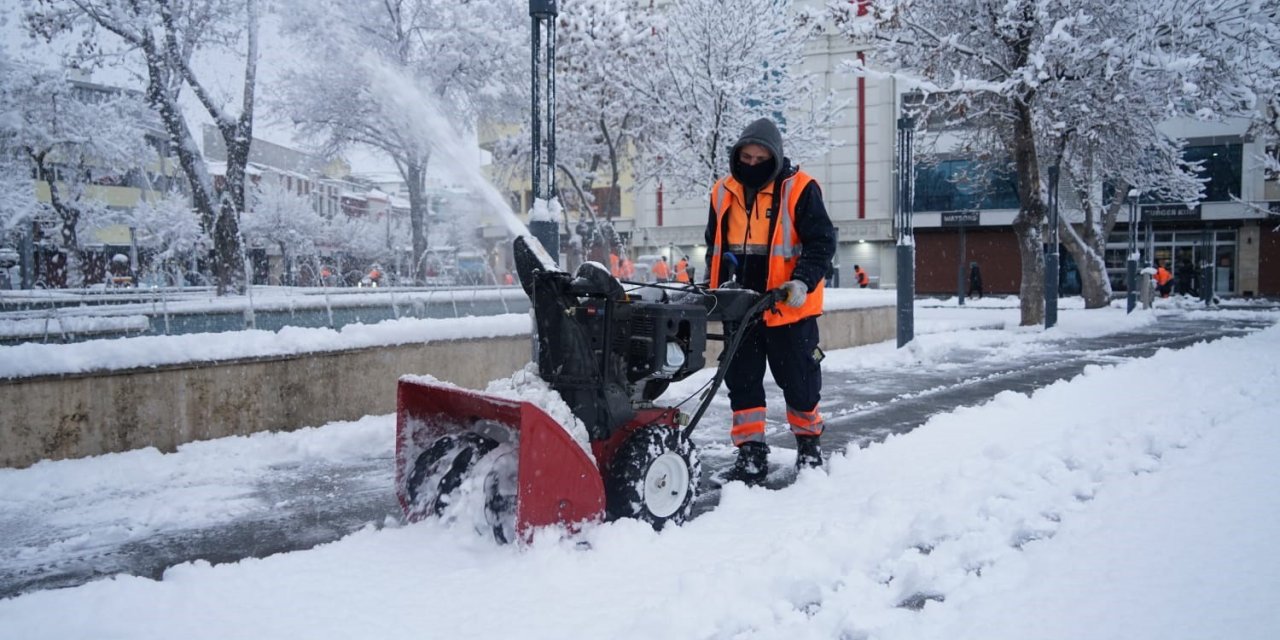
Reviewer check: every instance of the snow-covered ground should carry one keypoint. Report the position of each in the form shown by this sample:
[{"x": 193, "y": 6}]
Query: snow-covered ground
[{"x": 1134, "y": 501}]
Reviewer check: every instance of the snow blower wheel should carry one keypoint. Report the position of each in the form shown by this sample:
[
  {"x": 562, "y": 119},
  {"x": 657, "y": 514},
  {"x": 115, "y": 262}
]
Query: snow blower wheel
[
  {"x": 442, "y": 467},
  {"x": 653, "y": 477},
  {"x": 501, "y": 490}
]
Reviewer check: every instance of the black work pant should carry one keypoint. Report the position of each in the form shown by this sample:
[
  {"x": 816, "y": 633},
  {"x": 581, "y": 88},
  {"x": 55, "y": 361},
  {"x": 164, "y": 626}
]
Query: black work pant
[{"x": 791, "y": 351}]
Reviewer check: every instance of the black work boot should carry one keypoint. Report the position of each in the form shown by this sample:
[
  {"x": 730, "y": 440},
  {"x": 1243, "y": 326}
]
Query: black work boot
[
  {"x": 808, "y": 452},
  {"x": 752, "y": 465}
]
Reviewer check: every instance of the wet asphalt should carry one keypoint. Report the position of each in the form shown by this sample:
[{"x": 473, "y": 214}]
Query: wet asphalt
[{"x": 314, "y": 503}]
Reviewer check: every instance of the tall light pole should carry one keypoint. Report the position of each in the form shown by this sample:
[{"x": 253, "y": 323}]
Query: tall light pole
[
  {"x": 1051, "y": 254},
  {"x": 960, "y": 293},
  {"x": 1206, "y": 267},
  {"x": 906, "y": 234},
  {"x": 1131, "y": 265},
  {"x": 543, "y": 113}
]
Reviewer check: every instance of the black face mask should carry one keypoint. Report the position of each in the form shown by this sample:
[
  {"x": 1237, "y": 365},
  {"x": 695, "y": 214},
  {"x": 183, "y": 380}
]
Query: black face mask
[{"x": 754, "y": 176}]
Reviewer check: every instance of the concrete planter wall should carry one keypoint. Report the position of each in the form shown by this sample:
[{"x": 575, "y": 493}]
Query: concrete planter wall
[{"x": 72, "y": 416}]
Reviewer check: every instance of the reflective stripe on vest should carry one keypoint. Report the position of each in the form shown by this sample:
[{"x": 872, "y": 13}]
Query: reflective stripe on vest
[{"x": 785, "y": 247}]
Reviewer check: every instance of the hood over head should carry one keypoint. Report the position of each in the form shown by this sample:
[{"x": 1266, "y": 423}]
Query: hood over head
[{"x": 764, "y": 133}]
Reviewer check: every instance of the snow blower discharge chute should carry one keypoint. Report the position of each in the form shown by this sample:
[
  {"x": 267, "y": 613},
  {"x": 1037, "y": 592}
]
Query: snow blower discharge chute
[{"x": 609, "y": 353}]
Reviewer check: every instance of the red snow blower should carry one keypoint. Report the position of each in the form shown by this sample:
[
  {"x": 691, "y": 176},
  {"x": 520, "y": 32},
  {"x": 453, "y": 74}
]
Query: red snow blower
[{"x": 609, "y": 352}]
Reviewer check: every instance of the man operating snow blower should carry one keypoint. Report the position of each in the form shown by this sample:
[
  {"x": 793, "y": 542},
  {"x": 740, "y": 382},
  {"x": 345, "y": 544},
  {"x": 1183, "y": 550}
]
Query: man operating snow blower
[
  {"x": 608, "y": 352},
  {"x": 768, "y": 229}
]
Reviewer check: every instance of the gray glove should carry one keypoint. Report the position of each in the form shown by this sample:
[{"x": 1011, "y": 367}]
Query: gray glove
[{"x": 796, "y": 292}]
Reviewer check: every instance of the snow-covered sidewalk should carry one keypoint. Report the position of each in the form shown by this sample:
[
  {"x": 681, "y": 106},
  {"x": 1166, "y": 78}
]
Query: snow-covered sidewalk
[{"x": 1135, "y": 501}]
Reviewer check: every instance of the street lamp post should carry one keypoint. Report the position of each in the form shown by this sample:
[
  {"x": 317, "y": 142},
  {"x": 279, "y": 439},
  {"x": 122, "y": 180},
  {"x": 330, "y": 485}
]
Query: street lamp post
[
  {"x": 545, "y": 228},
  {"x": 1051, "y": 254},
  {"x": 1131, "y": 266},
  {"x": 960, "y": 271},
  {"x": 1206, "y": 267},
  {"x": 906, "y": 235},
  {"x": 26, "y": 250}
]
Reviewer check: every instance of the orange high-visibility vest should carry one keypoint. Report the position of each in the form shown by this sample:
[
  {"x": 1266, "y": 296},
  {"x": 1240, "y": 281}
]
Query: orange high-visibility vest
[
  {"x": 660, "y": 270},
  {"x": 784, "y": 247},
  {"x": 682, "y": 270}
]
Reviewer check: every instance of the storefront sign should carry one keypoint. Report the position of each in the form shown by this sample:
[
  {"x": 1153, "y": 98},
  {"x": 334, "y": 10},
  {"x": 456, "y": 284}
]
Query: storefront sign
[
  {"x": 1166, "y": 212},
  {"x": 960, "y": 218}
]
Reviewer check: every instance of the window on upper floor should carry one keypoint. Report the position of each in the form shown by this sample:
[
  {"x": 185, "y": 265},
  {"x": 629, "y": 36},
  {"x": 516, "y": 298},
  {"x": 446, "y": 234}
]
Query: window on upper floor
[
  {"x": 1222, "y": 164},
  {"x": 959, "y": 184}
]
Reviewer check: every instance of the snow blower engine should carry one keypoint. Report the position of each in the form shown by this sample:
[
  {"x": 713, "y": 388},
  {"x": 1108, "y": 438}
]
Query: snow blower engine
[{"x": 509, "y": 467}]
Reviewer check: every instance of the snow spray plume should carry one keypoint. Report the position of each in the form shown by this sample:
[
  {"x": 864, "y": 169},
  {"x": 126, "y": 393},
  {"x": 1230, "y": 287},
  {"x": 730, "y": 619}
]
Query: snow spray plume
[{"x": 422, "y": 119}]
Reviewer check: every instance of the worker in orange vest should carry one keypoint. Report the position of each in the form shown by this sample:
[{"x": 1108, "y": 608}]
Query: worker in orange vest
[
  {"x": 661, "y": 272},
  {"x": 1164, "y": 280},
  {"x": 863, "y": 278},
  {"x": 682, "y": 270},
  {"x": 615, "y": 265},
  {"x": 769, "y": 216}
]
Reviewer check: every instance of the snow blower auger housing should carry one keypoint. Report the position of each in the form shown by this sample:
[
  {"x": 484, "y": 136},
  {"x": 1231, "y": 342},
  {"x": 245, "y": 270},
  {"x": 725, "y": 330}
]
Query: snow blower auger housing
[{"x": 609, "y": 354}]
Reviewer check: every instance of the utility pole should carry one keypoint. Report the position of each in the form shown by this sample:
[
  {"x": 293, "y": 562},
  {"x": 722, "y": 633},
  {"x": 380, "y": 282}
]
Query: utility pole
[
  {"x": 960, "y": 275},
  {"x": 906, "y": 234},
  {"x": 1051, "y": 254},
  {"x": 543, "y": 223},
  {"x": 1131, "y": 265}
]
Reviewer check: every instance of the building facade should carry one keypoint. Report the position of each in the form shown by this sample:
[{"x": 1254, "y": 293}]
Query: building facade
[{"x": 1231, "y": 231}]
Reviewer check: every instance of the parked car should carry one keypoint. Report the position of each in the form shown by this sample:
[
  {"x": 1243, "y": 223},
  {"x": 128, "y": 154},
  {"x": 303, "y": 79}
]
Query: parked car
[{"x": 472, "y": 269}]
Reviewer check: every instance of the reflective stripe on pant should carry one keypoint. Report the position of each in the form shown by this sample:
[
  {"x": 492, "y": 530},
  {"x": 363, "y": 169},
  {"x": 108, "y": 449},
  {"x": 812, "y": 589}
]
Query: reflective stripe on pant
[
  {"x": 789, "y": 350},
  {"x": 748, "y": 426},
  {"x": 790, "y": 353},
  {"x": 805, "y": 423}
]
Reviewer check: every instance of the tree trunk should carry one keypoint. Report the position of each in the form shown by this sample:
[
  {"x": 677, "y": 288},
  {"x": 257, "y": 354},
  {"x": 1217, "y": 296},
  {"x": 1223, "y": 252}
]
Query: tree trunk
[
  {"x": 1088, "y": 249},
  {"x": 414, "y": 171},
  {"x": 226, "y": 237},
  {"x": 1087, "y": 242},
  {"x": 69, "y": 215},
  {"x": 1029, "y": 224},
  {"x": 1095, "y": 286},
  {"x": 185, "y": 147}
]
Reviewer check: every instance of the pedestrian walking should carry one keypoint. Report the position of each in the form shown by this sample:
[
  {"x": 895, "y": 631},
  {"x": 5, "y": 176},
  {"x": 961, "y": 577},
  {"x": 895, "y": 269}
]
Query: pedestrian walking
[{"x": 975, "y": 280}]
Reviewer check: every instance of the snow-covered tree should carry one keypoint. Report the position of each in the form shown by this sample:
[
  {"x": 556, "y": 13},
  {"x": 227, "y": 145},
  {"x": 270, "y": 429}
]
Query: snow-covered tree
[
  {"x": 161, "y": 38},
  {"x": 71, "y": 139},
  {"x": 17, "y": 193},
  {"x": 1098, "y": 113},
  {"x": 1240, "y": 42},
  {"x": 284, "y": 218},
  {"x": 599, "y": 44},
  {"x": 722, "y": 64},
  {"x": 169, "y": 228},
  {"x": 599, "y": 117},
  {"x": 375, "y": 63},
  {"x": 362, "y": 238},
  {"x": 1076, "y": 83},
  {"x": 17, "y": 189}
]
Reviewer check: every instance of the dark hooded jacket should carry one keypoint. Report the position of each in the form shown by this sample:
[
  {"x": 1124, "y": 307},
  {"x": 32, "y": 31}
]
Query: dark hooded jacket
[{"x": 813, "y": 225}]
